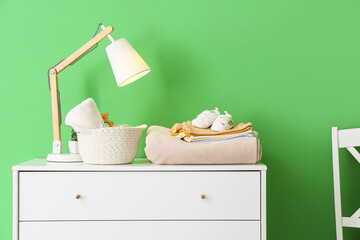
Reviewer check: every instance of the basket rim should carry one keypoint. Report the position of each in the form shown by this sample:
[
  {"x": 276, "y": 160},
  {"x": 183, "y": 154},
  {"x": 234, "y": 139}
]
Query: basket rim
[{"x": 109, "y": 129}]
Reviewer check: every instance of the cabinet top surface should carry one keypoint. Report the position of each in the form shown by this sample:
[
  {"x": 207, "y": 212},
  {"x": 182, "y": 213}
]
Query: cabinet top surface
[{"x": 140, "y": 164}]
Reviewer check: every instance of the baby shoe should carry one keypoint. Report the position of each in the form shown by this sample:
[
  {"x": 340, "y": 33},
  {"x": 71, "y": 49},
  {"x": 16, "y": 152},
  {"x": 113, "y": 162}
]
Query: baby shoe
[
  {"x": 222, "y": 122},
  {"x": 206, "y": 118}
]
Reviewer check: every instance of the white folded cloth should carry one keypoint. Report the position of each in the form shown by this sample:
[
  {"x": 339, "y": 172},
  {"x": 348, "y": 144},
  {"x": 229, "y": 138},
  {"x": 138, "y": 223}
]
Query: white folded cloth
[{"x": 86, "y": 115}]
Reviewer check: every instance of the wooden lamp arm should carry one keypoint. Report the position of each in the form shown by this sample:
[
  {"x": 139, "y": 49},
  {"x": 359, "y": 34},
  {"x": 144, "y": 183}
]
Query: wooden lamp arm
[
  {"x": 57, "y": 144},
  {"x": 81, "y": 51}
]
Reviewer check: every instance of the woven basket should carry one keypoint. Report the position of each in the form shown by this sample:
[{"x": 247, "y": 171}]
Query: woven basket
[{"x": 113, "y": 145}]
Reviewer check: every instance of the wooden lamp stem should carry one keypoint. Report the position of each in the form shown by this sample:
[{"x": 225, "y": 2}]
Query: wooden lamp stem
[{"x": 57, "y": 144}]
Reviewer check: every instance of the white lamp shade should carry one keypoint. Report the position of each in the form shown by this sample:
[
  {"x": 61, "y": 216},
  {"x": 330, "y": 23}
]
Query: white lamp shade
[{"x": 126, "y": 63}]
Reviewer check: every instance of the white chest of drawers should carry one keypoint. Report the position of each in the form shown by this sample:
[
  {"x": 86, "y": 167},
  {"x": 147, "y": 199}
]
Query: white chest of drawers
[{"x": 138, "y": 201}]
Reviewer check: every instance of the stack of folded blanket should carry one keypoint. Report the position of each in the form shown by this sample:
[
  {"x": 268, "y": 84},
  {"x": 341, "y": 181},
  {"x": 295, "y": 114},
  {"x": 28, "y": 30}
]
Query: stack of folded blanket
[
  {"x": 161, "y": 148},
  {"x": 190, "y": 133},
  {"x": 217, "y": 141}
]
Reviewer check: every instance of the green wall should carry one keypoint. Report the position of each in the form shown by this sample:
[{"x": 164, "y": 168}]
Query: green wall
[{"x": 290, "y": 67}]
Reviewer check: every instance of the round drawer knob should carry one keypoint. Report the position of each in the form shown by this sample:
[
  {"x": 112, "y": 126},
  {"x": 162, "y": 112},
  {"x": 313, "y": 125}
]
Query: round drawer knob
[
  {"x": 202, "y": 196},
  {"x": 77, "y": 196}
]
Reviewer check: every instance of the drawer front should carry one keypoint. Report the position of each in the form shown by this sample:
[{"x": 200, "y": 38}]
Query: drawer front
[
  {"x": 140, "y": 230},
  {"x": 139, "y": 196}
]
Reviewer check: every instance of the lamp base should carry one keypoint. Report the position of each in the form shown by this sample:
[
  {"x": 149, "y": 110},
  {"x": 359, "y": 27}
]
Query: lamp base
[{"x": 64, "y": 158}]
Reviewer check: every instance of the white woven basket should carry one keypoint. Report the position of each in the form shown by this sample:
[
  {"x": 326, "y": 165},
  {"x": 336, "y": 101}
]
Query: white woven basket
[{"x": 111, "y": 145}]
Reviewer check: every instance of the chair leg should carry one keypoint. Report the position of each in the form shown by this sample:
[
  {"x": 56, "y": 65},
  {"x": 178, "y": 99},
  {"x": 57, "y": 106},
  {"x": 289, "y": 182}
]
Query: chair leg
[
  {"x": 337, "y": 193},
  {"x": 338, "y": 214}
]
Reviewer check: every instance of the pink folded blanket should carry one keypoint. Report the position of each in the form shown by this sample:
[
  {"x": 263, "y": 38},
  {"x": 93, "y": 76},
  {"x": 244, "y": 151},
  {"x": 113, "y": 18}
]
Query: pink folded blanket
[{"x": 161, "y": 148}]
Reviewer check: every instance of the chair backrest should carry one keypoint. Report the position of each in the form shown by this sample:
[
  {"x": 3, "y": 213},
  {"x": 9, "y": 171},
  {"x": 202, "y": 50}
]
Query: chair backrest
[{"x": 347, "y": 137}]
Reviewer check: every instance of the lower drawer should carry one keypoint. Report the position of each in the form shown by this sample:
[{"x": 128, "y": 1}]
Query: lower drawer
[{"x": 140, "y": 230}]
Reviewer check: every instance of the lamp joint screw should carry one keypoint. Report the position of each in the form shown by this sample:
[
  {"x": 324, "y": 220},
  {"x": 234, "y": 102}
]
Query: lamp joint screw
[{"x": 52, "y": 72}]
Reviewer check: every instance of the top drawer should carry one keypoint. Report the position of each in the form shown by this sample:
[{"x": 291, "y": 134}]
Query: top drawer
[{"x": 139, "y": 195}]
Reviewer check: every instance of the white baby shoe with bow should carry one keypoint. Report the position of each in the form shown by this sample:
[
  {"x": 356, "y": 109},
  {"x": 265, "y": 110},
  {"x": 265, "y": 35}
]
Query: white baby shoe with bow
[
  {"x": 222, "y": 122},
  {"x": 206, "y": 118}
]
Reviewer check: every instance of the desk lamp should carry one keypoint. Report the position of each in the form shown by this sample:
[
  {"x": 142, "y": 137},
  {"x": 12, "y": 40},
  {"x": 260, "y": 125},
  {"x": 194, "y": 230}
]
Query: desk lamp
[{"x": 126, "y": 64}]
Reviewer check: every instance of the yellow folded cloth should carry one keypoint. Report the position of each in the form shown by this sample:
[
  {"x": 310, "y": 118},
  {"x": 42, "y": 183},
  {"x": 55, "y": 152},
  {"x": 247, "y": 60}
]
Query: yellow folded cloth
[{"x": 189, "y": 130}]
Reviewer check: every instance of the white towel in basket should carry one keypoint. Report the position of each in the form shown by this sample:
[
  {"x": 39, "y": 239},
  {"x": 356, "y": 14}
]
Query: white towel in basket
[{"x": 86, "y": 115}]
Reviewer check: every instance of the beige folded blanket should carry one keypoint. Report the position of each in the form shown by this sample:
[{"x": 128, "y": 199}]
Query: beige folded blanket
[{"x": 161, "y": 148}]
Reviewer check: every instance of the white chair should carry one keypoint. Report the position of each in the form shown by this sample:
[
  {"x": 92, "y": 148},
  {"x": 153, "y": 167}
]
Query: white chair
[{"x": 347, "y": 138}]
